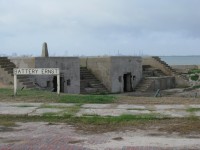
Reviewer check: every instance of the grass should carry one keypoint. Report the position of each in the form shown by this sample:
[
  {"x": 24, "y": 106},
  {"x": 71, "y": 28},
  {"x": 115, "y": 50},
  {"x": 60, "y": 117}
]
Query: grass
[
  {"x": 100, "y": 99},
  {"x": 139, "y": 109},
  {"x": 193, "y": 109},
  {"x": 110, "y": 120},
  {"x": 25, "y": 105},
  {"x": 7, "y": 123},
  {"x": 94, "y": 120},
  {"x": 98, "y": 124},
  {"x": 45, "y": 96}
]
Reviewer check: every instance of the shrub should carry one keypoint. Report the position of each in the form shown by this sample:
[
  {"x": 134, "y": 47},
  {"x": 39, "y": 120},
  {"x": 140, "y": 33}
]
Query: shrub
[
  {"x": 194, "y": 77},
  {"x": 193, "y": 71}
]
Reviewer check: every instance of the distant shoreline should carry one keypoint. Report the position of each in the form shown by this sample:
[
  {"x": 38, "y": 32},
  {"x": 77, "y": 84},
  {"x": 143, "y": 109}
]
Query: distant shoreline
[{"x": 181, "y": 60}]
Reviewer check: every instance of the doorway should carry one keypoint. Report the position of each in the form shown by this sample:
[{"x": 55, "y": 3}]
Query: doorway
[
  {"x": 62, "y": 81},
  {"x": 127, "y": 82}
]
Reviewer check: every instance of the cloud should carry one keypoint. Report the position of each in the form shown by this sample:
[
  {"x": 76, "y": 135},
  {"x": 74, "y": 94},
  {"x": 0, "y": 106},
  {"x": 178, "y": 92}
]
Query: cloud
[{"x": 97, "y": 27}]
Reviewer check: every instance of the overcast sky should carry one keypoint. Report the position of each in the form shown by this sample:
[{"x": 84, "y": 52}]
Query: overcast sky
[{"x": 100, "y": 27}]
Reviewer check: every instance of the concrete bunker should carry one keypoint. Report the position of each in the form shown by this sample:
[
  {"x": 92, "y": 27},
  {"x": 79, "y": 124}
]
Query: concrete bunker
[{"x": 117, "y": 73}]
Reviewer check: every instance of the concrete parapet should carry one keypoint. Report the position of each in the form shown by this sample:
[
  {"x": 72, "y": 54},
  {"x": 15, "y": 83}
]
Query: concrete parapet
[
  {"x": 23, "y": 62},
  {"x": 162, "y": 83}
]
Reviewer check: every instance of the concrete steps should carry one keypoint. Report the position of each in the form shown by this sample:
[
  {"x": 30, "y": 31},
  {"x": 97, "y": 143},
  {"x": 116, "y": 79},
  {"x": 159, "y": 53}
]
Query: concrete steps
[
  {"x": 173, "y": 72},
  {"x": 164, "y": 64},
  {"x": 89, "y": 83},
  {"x": 149, "y": 71},
  {"x": 159, "y": 73},
  {"x": 8, "y": 67}
]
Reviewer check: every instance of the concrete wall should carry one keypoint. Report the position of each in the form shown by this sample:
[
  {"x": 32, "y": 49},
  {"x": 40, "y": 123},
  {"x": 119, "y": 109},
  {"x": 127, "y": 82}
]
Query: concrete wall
[
  {"x": 69, "y": 69},
  {"x": 100, "y": 67},
  {"x": 124, "y": 65},
  {"x": 162, "y": 83},
  {"x": 23, "y": 62}
]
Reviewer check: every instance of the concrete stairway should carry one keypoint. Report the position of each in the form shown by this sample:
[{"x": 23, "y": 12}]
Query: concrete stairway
[
  {"x": 89, "y": 83},
  {"x": 158, "y": 73},
  {"x": 165, "y": 65},
  {"x": 8, "y": 67},
  {"x": 149, "y": 71},
  {"x": 144, "y": 85}
]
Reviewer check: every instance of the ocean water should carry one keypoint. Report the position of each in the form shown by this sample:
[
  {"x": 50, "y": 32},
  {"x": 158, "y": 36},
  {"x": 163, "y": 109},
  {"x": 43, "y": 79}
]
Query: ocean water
[{"x": 181, "y": 60}]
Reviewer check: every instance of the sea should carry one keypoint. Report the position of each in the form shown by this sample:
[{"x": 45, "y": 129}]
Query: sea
[{"x": 181, "y": 60}]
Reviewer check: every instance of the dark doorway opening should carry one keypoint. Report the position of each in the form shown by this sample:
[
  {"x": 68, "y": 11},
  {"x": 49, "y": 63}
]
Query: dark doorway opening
[
  {"x": 127, "y": 82},
  {"x": 62, "y": 81},
  {"x": 62, "y": 87},
  {"x": 54, "y": 83}
]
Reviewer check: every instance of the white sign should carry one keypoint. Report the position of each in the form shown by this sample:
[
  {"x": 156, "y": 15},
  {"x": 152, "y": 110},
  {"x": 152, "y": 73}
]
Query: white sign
[{"x": 36, "y": 71}]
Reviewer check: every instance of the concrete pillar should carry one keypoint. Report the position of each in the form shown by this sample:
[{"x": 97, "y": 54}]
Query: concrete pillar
[{"x": 45, "y": 50}]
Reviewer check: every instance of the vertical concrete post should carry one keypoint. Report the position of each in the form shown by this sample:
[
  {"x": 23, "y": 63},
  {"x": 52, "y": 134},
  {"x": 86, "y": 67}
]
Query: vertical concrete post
[
  {"x": 58, "y": 83},
  {"x": 45, "y": 52},
  {"x": 15, "y": 84}
]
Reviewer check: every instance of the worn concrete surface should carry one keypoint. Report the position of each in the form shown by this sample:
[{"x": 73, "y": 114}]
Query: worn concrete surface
[
  {"x": 60, "y": 136},
  {"x": 98, "y": 109}
]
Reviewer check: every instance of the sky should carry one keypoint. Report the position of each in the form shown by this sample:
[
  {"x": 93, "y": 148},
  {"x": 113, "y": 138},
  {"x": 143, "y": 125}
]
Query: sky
[{"x": 100, "y": 27}]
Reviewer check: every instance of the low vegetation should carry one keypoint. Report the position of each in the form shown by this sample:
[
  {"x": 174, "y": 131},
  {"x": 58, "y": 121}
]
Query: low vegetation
[
  {"x": 196, "y": 87},
  {"x": 45, "y": 96},
  {"x": 95, "y": 123},
  {"x": 193, "y": 109},
  {"x": 194, "y": 77},
  {"x": 194, "y": 71},
  {"x": 98, "y": 124}
]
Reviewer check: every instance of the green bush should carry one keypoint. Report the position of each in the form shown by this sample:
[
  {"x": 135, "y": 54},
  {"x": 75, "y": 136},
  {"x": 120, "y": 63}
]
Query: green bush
[
  {"x": 193, "y": 71},
  {"x": 194, "y": 77},
  {"x": 196, "y": 87}
]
